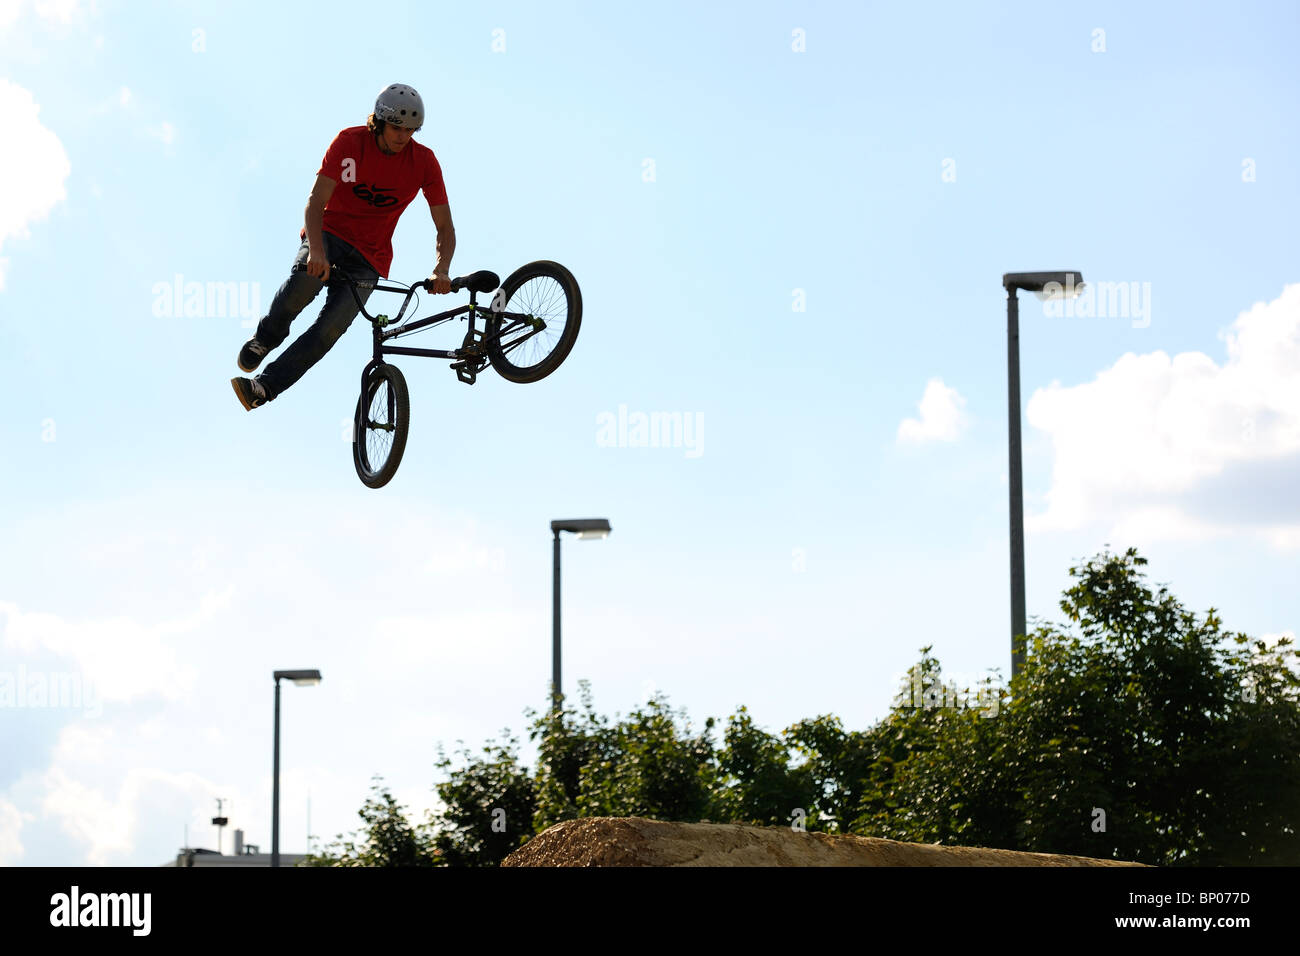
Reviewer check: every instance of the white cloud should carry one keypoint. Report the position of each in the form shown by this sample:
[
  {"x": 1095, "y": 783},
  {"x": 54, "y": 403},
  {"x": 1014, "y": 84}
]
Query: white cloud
[
  {"x": 123, "y": 99},
  {"x": 118, "y": 658},
  {"x": 942, "y": 415},
  {"x": 11, "y": 824},
  {"x": 165, "y": 132},
  {"x": 9, "y": 10},
  {"x": 64, "y": 11},
  {"x": 109, "y": 826},
  {"x": 103, "y": 796},
  {"x": 87, "y": 815},
  {"x": 55, "y": 11},
  {"x": 183, "y": 656},
  {"x": 104, "y": 791},
  {"x": 32, "y": 178},
  {"x": 1181, "y": 447}
]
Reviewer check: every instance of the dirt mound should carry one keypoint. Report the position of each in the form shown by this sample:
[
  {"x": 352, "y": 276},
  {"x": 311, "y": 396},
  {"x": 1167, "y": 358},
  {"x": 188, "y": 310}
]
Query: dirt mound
[{"x": 636, "y": 841}]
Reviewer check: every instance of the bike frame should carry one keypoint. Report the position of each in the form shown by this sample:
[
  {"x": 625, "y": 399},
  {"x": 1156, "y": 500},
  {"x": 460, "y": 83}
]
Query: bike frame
[{"x": 471, "y": 355}]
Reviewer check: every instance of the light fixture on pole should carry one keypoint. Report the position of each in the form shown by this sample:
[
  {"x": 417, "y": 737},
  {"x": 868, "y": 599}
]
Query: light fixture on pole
[
  {"x": 302, "y": 679},
  {"x": 1048, "y": 285},
  {"x": 583, "y": 528}
]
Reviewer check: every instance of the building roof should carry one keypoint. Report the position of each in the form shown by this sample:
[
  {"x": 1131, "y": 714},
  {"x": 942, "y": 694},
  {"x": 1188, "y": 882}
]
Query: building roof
[{"x": 196, "y": 856}]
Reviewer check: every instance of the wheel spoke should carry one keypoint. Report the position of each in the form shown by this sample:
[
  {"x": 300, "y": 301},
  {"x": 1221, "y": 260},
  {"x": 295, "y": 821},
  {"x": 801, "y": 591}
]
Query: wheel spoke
[
  {"x": 515, "y": 343},
  {"x": 541, "y": 297},
  {"x": 379, "y": 427},
  {"x": 382, "y": 413},
  {"x": 537, "y": 324}
]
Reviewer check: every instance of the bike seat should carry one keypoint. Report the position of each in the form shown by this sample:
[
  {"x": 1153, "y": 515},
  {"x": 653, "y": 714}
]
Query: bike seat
[{"x": 481, "y": 281}]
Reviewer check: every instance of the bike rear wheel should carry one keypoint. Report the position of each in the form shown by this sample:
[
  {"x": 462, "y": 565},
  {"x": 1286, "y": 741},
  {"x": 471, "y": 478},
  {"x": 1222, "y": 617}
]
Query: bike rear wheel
[
  {"x": 382, "y": 419},
  {"x": 526, "y": 350}
]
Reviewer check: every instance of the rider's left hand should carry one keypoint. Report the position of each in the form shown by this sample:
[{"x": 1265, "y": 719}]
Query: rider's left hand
[{"x": 438, "y": 283}]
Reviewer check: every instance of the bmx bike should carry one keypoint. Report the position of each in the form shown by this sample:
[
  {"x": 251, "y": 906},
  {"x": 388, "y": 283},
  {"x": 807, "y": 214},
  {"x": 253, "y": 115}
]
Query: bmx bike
[{"x": 526, "y": 331}]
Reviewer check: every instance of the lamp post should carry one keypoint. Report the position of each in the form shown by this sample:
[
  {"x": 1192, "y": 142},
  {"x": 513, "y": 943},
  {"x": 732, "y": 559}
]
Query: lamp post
[
  {"x": 583, "y": 528},
  {"x": 302, "y": 679},
  {"x": 1048, "y": 285}
]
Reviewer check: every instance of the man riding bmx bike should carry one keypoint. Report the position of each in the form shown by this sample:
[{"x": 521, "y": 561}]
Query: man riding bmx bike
[{"x": 368, "y": 177}]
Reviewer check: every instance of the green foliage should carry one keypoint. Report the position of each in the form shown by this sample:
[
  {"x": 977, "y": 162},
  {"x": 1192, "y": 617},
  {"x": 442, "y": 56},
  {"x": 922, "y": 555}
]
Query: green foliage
[
  {"x": 937, "y": 775},
  {"x": 644, "y": 765},
  {"x": 1189, "y": 746},
  {"x": 487, "y": 806},
  {"x": 387, "y": 839},
  {"x": 1186, "y": 736},
  {"x": 568, "y": 742},
  {"x": 756, "y": 783},
  {"x": 1182, "y": 738}
]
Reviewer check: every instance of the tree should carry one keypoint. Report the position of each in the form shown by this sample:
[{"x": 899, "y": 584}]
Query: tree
[
  {"x": 1146, "y": 736},
  {"x": 487, "y": 806},
  {"x": 387, "y": 839},
  {"x": 1138, "y": 731},
  {"x": 568, "y": 742},
  {"x": 1187, "y": 737},
  {"x": 757, "y": 782},
  {"x": 644, "y": 765}
]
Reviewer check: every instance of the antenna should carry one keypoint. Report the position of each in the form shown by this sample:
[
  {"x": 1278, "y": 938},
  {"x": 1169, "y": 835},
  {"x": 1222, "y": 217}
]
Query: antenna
[
  {"x": 219, "y": 821},
  {"x": 309, "y": 820}
]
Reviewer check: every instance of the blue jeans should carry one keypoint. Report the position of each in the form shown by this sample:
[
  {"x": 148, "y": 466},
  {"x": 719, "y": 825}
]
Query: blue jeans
[{"x": 295, "y": 295}]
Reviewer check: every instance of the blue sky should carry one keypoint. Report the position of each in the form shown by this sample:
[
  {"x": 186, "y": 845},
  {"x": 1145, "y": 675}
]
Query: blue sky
[{"x": 789, "y": 223}]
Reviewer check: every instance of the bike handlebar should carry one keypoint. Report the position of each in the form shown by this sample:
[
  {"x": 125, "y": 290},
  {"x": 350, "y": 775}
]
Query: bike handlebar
[{"x": 457, "y": 283}]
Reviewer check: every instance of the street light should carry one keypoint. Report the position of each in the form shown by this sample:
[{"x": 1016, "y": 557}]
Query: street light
[
  {"x": 583, "y": 528},
  {"x": 302, "y": 679},
  {"x": 1047, "y": 285}
]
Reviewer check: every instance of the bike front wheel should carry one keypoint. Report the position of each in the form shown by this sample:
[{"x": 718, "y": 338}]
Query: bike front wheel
[
  {"x": 532, "y": 347},
  {"x": 382, "y": 419}
]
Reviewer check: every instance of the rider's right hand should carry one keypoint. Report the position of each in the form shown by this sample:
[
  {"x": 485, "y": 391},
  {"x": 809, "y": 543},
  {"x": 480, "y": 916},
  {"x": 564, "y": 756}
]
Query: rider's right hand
[{"x": 317, "y": 264}]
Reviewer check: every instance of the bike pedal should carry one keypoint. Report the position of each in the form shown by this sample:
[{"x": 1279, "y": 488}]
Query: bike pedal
[{"x": 466, "y": 372}]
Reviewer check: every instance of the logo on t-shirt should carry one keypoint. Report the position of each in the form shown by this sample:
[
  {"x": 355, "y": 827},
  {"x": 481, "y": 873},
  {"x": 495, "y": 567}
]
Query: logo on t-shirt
[{"x": 375, "y": 195}]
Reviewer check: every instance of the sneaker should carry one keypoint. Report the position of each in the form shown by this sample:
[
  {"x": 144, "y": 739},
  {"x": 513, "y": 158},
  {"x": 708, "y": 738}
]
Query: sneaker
[
  {"x": 251, "y": 355},
  {"x": 250, "y": 392}
]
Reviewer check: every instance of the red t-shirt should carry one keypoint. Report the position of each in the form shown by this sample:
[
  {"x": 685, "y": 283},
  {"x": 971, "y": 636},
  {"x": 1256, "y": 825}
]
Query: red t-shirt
[{"x": 373, "y": 189}]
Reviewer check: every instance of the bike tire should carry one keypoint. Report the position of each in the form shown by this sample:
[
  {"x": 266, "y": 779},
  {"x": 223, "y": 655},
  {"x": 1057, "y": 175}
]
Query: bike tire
[
  {"x": 557, "y": 301},
  {"x": 376, "y": 457}
]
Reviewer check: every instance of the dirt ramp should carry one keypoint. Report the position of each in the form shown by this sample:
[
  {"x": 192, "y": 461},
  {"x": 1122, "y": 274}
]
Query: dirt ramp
[{"x": 636, "y": 841}]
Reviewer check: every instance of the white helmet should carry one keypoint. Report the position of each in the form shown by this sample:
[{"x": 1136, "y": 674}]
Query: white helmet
[{"x": 400, "y": 105}]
